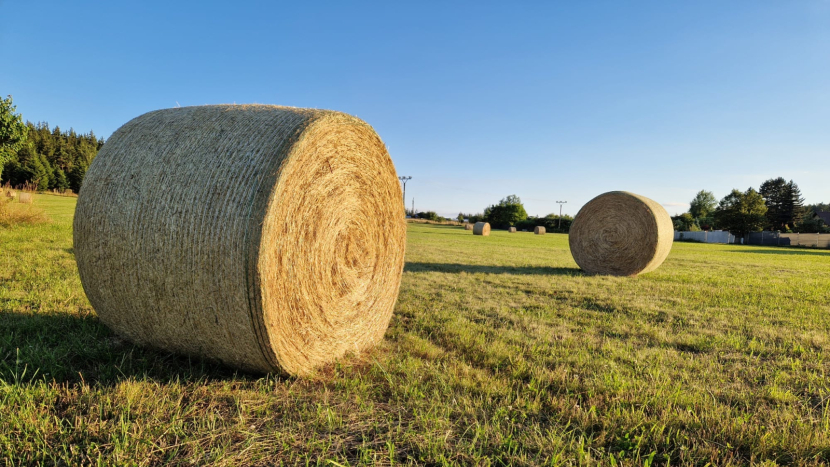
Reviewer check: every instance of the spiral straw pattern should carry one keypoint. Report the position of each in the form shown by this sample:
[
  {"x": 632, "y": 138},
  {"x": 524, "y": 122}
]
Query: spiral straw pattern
[
  {"x": 268, "y": 238},
  {"x": 621, "y": 234}
]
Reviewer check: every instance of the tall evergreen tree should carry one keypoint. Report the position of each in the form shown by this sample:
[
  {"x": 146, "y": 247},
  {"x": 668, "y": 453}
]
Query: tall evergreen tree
[{"x": 785, "y": 206}]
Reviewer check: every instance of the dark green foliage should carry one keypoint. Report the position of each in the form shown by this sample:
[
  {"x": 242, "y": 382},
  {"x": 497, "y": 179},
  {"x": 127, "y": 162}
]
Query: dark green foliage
[
  {"x": 13, "y": 132},
  {"x": 551, "y": 223},
  {"x": 685, "y": 222},
  {"x": 507, "y": 213},
  {"x": 703, "y": 204},
  {"x": 785, "y": 206},
  {"x": 741, "y": 213},
  {"x": 430, "y": 215},
  {"x": 52, "y": 159}
]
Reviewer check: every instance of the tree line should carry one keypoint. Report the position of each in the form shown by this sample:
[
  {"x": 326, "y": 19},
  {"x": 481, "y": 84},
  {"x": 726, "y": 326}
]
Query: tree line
[
  {"x": 777, "y": 206},
  {"x": 510, "y": 212},
  {"x": 42, "y": 157}
]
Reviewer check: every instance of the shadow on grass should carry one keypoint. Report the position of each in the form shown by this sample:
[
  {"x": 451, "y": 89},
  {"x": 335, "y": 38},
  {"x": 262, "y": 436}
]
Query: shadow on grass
[
  {"x": 785, "y": 251},
  {"x": 474, "y": 268},
  {"x": 70, "y": 349}
]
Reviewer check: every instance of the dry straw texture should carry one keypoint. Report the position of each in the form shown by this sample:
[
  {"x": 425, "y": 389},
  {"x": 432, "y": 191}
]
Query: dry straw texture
[
  {"x": 268, "y": 238},
  {"x": 622, "y": 234},
  {"x": 468, "y": 226},
  {"x": 481, "y": 228},
  {"x": 512, "y": 230},
  {"x": 25, "y": 198},
  {"x": 539, "y": 230}
]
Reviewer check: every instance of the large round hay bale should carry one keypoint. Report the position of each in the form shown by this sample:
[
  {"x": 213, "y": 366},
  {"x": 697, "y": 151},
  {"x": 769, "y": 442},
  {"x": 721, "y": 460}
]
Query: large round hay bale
[
  {"x": 512, "y": 230},
  {"x": 25, "y": 198},
  {"x": 539, "y": 230},
  {"x": 481, "y": 228},
  {"x": 622, "y": 234},
  {"x": 468, "y": 226},
  {"x": 268, "y": 238}
]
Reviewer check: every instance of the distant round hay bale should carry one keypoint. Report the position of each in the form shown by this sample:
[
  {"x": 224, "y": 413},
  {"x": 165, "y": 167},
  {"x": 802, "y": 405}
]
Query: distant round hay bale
[
  {"x": 26, "y": 198},
  {"x": 10, "y": 194},
  {"x": 621, "y": 234},
  {"x": 268, "y": 238},
  {"x": 512, "y": 230},
  {"x": 481, "y": 228},
  {"x": 468, "y": 226},
  {"x": 539, "y": 230}
]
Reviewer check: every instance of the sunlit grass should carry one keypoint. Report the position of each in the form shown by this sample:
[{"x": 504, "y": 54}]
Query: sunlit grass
[{"x": 500, "y": 352}]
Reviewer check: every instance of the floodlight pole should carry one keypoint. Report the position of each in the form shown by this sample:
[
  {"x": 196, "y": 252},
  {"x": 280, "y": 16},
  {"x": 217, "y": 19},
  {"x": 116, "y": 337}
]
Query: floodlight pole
[
  {"x": 560, "y": 213},
  {"x": 404, "y": 180}
]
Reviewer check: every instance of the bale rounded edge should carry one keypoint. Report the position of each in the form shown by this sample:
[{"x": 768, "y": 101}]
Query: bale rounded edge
[
  {"x": 622, "y": 234},
  {"x": 268, "y": 238}
]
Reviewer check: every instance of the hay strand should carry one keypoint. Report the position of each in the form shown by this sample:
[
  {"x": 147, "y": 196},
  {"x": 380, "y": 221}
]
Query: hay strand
[
  {"x": 539, "y": 230},
  {"x": 269, "y": 238},
  {"x": 621, "y": 234},
  {"x": 481, "y": 228}
]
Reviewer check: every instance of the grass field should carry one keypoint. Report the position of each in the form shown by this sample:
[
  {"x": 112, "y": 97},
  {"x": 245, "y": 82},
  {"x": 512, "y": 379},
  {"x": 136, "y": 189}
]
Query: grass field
[{"x": 500, "y": 353}]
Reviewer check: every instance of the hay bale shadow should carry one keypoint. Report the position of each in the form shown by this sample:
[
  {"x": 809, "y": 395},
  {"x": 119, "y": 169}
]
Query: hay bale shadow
[
  {"x": 489, "y": 269},
  {"x": 70, "y": 349}
]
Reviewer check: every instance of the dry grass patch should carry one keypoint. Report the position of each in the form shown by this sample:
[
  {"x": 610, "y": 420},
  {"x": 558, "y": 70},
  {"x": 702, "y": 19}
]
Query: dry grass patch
[{"x": 14, "y": 213}]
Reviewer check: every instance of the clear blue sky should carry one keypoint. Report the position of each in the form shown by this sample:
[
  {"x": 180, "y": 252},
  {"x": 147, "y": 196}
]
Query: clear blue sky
[{"x": 476, "y": 100}]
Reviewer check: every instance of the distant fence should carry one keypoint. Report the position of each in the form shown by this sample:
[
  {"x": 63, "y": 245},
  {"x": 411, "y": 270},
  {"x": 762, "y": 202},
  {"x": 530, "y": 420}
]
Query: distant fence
[
  {"x": 814, "y": 240},
  {"x": 715, "y": 236}
]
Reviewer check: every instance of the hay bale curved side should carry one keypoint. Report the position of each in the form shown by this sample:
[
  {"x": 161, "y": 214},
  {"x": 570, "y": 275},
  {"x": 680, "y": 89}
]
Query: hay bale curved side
[
  {"x": 512, "y": 230},
  {"x": 622, "y": 234},
  {"x": 481, "y": 228},
  {"x": 268, "y": 238},
  {"x": 539, "y": 230}
]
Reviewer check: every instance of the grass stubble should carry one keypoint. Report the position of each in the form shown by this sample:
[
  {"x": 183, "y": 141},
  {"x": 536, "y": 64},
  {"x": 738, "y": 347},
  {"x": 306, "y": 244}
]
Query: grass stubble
[{"x": 500, "y": 352}]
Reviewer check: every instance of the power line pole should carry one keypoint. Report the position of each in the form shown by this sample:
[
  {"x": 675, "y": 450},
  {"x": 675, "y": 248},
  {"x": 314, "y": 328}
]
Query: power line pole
[
  {"x": 560, "y": 213},
  {"x": 404, "y": 180}
]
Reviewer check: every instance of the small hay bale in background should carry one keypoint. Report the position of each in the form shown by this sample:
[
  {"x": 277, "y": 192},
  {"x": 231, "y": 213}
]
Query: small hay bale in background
[
  {"x": 539, "y": 230},
  {"x": 468, "y": 226},
  {"x": 621, "y": 234},
  {"x": 10, "y": 194},
  {"x": 268, "y": 238},
  {"x": 25, "y": 198},
  {"x": 512, "y": 230},
  {"x": 481, "y": 228}
]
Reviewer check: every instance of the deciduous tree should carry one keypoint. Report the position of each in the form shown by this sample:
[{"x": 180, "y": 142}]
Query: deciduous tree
[
  {"x": 12, "y": 132},
  {"x": 741, "y": 213}
]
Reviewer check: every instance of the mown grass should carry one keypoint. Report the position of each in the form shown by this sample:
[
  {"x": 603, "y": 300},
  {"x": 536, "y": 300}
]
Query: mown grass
[{"x": 500, "y": 353}]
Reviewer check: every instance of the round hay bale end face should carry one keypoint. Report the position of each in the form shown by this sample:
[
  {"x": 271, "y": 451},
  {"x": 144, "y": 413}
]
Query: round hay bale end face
[
  {"x": 269, "y": 238},
  {"x": 621, "y": 234},
  {"x": 481, "y": 228},
  {"x": 468, "y": 226},
  {"x": 512, "y": 230},
  {"x": 539, "y": 230}
]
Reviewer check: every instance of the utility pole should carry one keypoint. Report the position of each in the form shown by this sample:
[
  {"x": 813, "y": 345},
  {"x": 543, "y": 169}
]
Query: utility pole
[
  {"x": 404, "y": 180},
  {"x": 413, "y": 207},
  {"x": 560, "y": 213}
]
